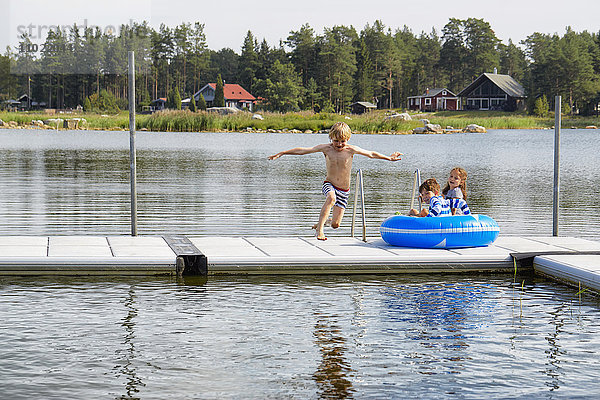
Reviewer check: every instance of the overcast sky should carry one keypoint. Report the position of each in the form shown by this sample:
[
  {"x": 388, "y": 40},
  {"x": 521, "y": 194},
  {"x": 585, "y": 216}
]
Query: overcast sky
[{"x": 226, "y": 22}]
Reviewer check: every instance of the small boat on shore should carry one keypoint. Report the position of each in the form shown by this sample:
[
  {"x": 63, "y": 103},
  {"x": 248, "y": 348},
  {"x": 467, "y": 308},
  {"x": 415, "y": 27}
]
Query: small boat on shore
[{"x": 475, "y": 230}]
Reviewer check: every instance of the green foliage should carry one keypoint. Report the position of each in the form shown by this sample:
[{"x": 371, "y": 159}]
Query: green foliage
[
  {"x": 327, "y": 107},
  {"x": 107, "y": 102},
  {"x": 363, "y": 81},
  {"x": 219, "y": 100},
  {"x": 144, "y": 97},
  {"x": 312, "y": 95},
  {"x": 335, "y": 67},
  {"x": 87, "y": 105},
  {"x": 177, "y": 99},
  {"x": 103, "y": 102},
  {"x": 174, "y": 100},
  {"x": 182, "y": 121},
  {"x": 564, "y": 66},
  {"x": 283, "y": 89},
  {"x": 201, "y": 103},
  {"x": 338, "y": 55},
  {"x": 248, "y": 63},
  {"x": 192, "y": 106},
  {"x": 541, "y": 107},
  {"x": 303, "y": 54}
]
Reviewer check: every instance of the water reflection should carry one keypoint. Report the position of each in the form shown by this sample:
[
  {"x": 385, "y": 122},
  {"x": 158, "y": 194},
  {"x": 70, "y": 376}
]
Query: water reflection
[
  {"x": 334, "y": 369},
  {"x": 554, "y": 352},
  {"x": 128, "y": 356},
  {"x": 443, "y": 319},
  {"x": 308, "y": 337}
]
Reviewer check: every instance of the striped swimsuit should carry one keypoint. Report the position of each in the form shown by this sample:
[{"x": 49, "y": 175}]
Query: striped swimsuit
[
  {"x": 341, "y": 195},
  {"x": 440, "y": 207}
]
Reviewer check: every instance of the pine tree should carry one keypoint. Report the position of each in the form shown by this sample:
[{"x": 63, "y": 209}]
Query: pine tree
[
  {"x": 541, "y": 106},
  {"x": 248, "y": 63},
  {"x": 201, "y": 103},
  {"x": 107, "y": 102},
  {"x": 363, "y": 81},
  {"x": 192, "y": 107},
  {"x": 283, "y": 88},
  {"x": 87, "y": 105},
  {"x": 170, "y": 104},
  {"x": 177, "y": 99},
  {"x": 219, "y": 95}
]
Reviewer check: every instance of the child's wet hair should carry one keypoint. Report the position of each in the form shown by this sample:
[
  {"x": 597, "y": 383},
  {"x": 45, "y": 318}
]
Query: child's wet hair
[
  {"x": 340, "y": 131},
  {"x": 430, "y": 185}
]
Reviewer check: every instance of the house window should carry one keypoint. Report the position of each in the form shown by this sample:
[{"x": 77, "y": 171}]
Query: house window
[
  {"x": 428, "y": 101},
  {"x": 444, "y": 93}
]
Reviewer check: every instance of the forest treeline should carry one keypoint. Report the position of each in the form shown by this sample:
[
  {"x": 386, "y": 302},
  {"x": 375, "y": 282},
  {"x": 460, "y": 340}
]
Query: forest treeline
[{"x": 308, "y": 70}]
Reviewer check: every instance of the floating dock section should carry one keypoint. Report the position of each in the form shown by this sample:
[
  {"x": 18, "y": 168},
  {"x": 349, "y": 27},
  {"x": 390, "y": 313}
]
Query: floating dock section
[{"x": 574, "y": 260}]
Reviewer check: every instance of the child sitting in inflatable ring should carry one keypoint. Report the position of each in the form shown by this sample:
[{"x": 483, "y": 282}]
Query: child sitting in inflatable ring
[
  {"x": 429, "y": 192},
  {"x": 456, "y": 188}
]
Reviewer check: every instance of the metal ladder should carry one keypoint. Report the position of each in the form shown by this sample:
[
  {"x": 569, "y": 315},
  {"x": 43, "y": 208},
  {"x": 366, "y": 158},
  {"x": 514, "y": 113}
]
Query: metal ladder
[
  {"x": 359, "y": 184},
  {"x": 359, "y": 188},
  {"x": 416, "y": 184}
]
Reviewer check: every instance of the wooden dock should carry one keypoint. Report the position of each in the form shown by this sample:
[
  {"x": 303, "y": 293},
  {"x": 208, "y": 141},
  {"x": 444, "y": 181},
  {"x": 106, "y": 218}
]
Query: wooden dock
[{"x": 574, "y": 260}]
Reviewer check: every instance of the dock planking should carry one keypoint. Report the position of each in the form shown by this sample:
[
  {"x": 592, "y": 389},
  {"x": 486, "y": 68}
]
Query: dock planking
[
  {"x": 572, "y": 260},
  {"x": 576, "y": 269}
]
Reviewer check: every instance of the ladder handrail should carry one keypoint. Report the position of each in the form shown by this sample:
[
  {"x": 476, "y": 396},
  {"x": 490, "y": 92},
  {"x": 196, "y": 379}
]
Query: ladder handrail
[
  {"x": 416, "y": 184},
  {"x": 359, "y": 183}
]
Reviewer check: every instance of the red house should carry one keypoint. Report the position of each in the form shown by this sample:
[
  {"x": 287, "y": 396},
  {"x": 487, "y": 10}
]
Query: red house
[
  {"x": 235, "y": 96},
  {"x": 434, "y": 100}
]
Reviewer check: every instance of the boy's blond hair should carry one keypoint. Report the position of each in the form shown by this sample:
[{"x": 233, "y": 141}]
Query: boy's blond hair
[{"x": 340, "y": 131}]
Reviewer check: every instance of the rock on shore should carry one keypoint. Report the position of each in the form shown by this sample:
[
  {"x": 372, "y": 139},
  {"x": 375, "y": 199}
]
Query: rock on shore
[
  {"x": 429, "y": 128},
  {"x": 474, "y": 128},
  {"x": 401, "y": 116}
]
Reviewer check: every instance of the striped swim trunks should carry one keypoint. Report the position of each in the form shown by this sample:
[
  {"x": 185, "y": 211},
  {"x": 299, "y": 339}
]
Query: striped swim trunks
[{"x": 341, "y": 195}]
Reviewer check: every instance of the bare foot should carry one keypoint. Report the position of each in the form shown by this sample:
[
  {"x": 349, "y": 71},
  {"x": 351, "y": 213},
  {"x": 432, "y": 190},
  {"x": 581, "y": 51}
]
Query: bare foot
[
  {"x": 321, "y": 235},
  {"x": 327, "y": 223}
]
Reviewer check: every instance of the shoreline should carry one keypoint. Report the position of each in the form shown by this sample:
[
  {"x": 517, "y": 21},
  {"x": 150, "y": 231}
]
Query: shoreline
[{"x": 379, "y": 122}]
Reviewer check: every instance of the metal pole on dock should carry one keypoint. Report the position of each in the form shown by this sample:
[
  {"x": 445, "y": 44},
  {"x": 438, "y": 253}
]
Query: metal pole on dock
[
  {"x": 555, "y": 198},
  {"x": 132, "y": 156}
]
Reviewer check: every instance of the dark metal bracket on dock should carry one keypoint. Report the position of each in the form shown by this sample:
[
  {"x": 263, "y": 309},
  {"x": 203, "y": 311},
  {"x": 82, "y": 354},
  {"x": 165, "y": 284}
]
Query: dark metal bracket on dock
[
  {"x": 190, "y": 260},
  {"x": 525, "y": 259}
]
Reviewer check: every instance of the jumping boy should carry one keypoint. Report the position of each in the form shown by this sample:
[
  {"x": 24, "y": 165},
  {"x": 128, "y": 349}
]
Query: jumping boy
[{"x": 338, "y": 159}]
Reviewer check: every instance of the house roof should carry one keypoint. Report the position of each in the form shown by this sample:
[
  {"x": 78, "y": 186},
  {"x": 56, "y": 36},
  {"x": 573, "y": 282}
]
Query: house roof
[
  {"x": 365, "y": 104},
  {"x": 434, "y": 92},
  {"x": 507, "y": 83},
  {"x": 231, "y": 91}
]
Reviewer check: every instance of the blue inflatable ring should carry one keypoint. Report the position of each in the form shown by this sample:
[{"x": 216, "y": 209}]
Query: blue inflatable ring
[{"x": 450, "y": 232}]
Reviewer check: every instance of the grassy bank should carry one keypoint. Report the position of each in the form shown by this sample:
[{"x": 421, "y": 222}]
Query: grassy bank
[{"x": 374, "y": 122}]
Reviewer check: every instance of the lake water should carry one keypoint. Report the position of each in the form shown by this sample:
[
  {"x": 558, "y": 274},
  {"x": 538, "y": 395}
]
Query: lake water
[
  {"x": 416, "y": 336},
  {"x": 60, "y": 183}
]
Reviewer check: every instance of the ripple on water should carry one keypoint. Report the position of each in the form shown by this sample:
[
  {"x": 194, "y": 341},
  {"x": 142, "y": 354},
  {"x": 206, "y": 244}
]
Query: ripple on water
[{"x": 365, "y": 337}]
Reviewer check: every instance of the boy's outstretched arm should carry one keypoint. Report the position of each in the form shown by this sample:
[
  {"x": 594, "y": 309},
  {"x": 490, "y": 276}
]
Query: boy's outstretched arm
[
  {"x": 373, "y": 154},
  {"x": 299, "y": 151}
]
